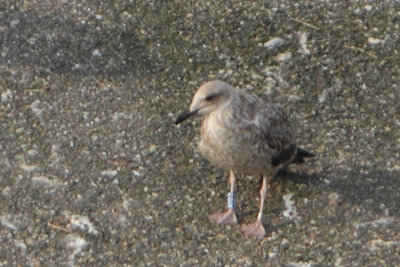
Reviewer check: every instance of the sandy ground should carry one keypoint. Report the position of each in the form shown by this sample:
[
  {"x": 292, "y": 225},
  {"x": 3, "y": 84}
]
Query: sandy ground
[{"x": 93, "y": 171}]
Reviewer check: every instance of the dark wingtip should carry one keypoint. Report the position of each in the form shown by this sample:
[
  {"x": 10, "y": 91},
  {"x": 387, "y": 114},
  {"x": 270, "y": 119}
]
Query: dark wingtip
[
  {"x": 301, "y": 154},
  {"x": 305, "y": 153}
]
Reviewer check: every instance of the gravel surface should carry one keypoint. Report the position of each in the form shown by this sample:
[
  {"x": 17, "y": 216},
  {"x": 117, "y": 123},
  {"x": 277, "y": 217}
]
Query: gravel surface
[{"x": 93, "y": 171}]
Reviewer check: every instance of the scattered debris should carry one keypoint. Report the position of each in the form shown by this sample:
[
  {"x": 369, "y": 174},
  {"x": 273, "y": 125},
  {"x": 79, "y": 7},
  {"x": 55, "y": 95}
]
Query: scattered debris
[
  {"x": 6, "y": 221},
  {"x": 82, "y": 224},
  {"x": 274, "y": 43},
  {"x": 77, "y": 244},
  {"x": 330, "y": 92},
  {"x": 303, "y": 43},
  {"x": 375, "y": 41},
  {"x": 290, "y": 211},
  {"x": 284, "y": 57}
]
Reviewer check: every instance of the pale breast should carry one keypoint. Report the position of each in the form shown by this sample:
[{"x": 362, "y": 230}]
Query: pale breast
[{"x": 233, "y": 145}]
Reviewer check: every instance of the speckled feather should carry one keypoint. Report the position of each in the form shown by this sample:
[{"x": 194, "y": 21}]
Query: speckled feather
[{"x": 247, "y": 135}]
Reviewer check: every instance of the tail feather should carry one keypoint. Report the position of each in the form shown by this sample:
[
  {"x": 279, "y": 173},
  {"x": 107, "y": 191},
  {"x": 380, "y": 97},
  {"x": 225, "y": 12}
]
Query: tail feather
[{"x": 301, "y": 154}]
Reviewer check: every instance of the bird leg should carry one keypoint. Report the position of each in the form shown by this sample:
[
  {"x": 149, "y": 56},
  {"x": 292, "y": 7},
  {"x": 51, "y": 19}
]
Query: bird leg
[
  {"x": 256, "y": 229},
  {"x": 229, "y": 216}
]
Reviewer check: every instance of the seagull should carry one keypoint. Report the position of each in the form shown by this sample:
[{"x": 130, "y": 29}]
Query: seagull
[{"x": 245, "y": 135}]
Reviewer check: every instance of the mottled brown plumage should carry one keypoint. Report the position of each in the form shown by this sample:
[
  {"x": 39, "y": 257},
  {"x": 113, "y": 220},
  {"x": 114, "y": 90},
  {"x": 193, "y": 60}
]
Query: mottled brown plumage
[{"x": 243, "y": 134}]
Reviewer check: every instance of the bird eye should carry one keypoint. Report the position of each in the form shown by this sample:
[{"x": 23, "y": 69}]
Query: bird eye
[{"x": 212, "y": 96}]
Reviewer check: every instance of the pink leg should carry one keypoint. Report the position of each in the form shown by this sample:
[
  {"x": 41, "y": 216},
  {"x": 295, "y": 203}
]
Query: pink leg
[
  {"x": 256, "y": 229},
  {"x": 229, "y": 216}
]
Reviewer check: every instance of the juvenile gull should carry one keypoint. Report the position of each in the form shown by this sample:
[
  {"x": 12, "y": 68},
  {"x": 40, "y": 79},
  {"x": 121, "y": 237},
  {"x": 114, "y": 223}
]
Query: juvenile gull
[{"x": 245, "y": 135}]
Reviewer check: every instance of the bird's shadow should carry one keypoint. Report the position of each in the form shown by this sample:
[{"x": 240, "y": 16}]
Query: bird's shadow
[
  {"x": 285, "y": 181},
  {"x": 372, "y": 189},
  {"x": 375, "y": 189},
  {"x": 285, "y": 175}
]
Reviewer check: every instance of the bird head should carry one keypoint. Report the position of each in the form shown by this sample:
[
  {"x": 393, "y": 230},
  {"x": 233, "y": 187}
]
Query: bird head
[{"x": 208, "y": 98}]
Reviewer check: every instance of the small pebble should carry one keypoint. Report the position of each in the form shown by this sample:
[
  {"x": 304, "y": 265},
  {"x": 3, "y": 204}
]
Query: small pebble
[{"x": 274, "y": 43}]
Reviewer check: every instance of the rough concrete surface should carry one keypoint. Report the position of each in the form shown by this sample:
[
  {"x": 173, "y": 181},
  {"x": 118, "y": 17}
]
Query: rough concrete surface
[{"x": 93, "y": 171}]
